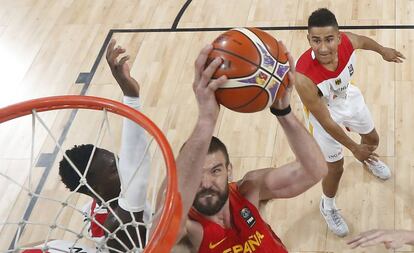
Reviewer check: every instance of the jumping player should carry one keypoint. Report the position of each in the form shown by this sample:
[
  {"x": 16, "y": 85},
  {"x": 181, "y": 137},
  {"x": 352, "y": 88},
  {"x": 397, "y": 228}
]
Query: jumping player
[
  {"x": 331, "y": 102},
  {"x": 224, "y": 216},
  {"x": 103, "y": 176}
]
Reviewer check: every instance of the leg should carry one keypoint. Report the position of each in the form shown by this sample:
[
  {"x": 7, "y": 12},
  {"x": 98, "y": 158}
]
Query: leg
[
  {"x": 370, "y": 138},
  {"x": 378, "y": 168},
  {"x": 333, "y": 153},
  {"x": 363, "y": 124},
  {"x": 327, "y": 206},
  {"x": 331, "y": 181}
]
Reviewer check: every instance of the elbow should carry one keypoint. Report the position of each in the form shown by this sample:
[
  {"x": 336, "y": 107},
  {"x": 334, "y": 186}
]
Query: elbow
[
  {"x": 321, "y": 165},
  {"x": 317, "y": 170}
]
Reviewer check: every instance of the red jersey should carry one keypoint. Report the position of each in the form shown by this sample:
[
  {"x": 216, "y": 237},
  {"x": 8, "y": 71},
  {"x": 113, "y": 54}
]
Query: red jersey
[
  {"x": 100, "y": 217},
  {"x": 332, "y": 84},
  {"x": 250, "y": 233}
]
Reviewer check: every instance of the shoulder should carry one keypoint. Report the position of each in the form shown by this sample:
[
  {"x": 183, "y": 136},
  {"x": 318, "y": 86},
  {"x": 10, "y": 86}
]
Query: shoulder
[
  {"x": 250, "y": 185},
  {"x": 309, "y": 67},
  {"x": 349, "y": 41}
]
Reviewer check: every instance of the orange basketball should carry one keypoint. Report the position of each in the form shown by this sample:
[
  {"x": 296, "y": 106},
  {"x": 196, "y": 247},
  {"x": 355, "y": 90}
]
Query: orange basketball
[{"x": 256, "y": 67}]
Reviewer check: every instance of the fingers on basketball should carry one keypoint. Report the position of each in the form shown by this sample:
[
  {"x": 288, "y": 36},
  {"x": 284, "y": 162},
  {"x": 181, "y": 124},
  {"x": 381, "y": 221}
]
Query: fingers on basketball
[
  {"x": 209, "y": 71},
  {"x": 215, "y": 84},
  {"x": 200, "y": 63}
]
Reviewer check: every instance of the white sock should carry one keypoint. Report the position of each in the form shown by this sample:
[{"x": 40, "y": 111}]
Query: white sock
[{"x": 328, "y": 203}]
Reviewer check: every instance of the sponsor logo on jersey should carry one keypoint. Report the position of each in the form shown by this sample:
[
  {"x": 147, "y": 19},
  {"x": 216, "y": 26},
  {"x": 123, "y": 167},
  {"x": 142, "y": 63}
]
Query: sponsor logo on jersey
[
  {"x": 250, "y": 245},
  {"x": 214, "y": 245},
  {"x": 246, "y": 214},
  {"x": 351, "y": 70}
]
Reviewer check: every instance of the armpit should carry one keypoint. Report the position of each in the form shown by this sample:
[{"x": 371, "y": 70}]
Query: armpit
[{"x": 183, "y": 246}]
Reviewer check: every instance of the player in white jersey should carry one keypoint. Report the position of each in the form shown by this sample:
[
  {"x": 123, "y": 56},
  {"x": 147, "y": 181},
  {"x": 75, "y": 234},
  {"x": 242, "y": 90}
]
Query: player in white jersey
[{"x": 331, "y": 102}]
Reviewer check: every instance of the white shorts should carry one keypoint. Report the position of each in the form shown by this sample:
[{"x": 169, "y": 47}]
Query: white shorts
[{"x": 351, "y": 113}]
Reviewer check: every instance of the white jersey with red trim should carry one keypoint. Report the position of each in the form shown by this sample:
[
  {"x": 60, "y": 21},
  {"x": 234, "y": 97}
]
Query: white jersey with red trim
[{"x": 332, "y": 84}]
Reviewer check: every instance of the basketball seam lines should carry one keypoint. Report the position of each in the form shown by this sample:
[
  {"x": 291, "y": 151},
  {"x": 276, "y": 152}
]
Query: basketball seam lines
[
  {"x": 247, "y": 60},
  {"x": 276, "y": 59},
  {"x": 258, "y": 67},
  {"x": 251, "y": 30},
  {"x": 263, "y": 90},
  {"x": 240, "y": 57}
]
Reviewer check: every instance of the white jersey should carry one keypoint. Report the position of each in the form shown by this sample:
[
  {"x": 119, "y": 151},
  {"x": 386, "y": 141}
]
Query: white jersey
[
  {"x": 345, "y": 102},
  {"x": 333, "y": 84}
]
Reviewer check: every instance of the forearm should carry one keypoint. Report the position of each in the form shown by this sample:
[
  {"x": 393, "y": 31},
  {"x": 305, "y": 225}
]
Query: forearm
[
  {"x": 191, "y": 160},
  {"x": 134, "y": 164},
  {"x": 304, "y": 146},
  {"x": 370, "y": 44},
  {"x": 339, "y": 134}
]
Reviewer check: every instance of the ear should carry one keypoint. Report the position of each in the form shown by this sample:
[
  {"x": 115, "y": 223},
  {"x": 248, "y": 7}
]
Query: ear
[
  {"x": 339, "y": 37},
  {"x": 230, "y": 172},
  {"x": 308, "y": 37}
]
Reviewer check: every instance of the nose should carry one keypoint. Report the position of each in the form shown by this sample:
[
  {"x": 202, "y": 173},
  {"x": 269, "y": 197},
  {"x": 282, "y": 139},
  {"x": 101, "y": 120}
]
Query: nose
[
  {"x": 323, "y": 47},
  {"x": 206, "y": 181}
]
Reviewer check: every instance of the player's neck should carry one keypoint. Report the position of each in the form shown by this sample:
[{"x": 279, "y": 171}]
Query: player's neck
[
  {"x": 223, "y": 217},
  {"x": 331, "y": 65}
]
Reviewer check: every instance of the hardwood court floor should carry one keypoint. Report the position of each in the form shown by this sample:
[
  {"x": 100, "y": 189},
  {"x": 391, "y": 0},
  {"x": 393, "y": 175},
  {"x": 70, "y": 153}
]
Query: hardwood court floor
[{"x": 46, "y": 44}]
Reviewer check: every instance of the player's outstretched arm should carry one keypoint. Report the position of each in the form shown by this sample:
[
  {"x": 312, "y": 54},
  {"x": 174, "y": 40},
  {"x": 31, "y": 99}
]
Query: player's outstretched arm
[
  {"x": 193, "y": 153},
  {"x": 390, "y": 238},
  {"x": 363, "y": 42},
  {"x": 134, "y": 162},
  {"x": 192, "y": 156},
  {"x": 120, "y": 69},
  {"x": 308, "y": 93},
  {"x": 296, "y": 177}
]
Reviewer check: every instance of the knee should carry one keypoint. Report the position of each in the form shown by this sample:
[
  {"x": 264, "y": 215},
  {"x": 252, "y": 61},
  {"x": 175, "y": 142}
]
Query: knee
[
  {"x": 371, "y": 138},
  {"x": 336, "y": 168}
]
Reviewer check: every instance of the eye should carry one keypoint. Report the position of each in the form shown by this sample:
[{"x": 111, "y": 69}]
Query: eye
[{"x": 216, "y": 171}]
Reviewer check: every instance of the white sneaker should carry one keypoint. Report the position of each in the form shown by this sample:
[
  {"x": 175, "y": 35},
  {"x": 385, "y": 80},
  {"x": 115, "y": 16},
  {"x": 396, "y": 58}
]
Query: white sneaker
[
  {"x": 334, "y": 221},
  {"x": 379, "y": 169}
]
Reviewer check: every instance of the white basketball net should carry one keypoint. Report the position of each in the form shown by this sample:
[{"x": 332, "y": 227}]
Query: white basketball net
[{"x": 62, "y": 215}]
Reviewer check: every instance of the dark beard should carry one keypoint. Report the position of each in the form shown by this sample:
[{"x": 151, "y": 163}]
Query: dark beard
[{"x": 211, "y": 208}]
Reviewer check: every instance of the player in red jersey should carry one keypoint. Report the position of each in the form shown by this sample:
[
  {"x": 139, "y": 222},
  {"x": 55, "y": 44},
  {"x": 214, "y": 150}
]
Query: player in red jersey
[
  {"x": 331, "y": 101},
  {"x": 224, "y": 216}
]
